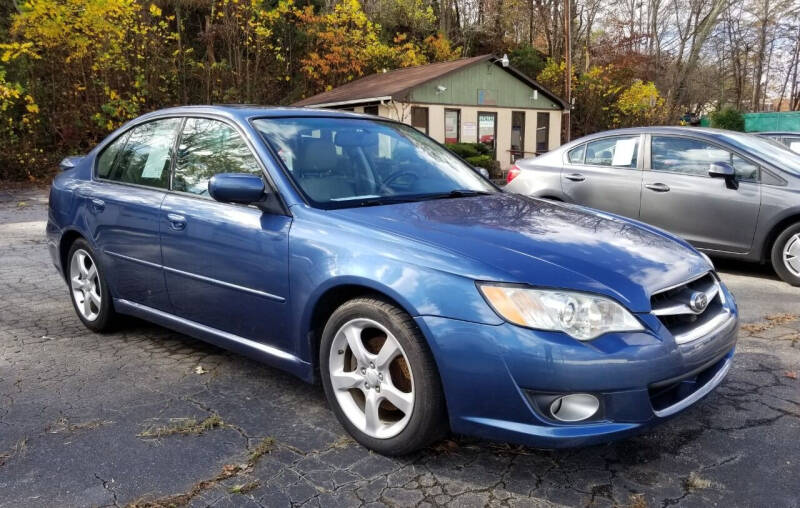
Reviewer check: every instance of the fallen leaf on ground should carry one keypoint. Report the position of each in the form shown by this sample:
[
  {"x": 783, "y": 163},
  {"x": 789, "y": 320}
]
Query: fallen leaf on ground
[
  {"x": 791, "y": 374},
  {"x": 200, "y": 370},
  {"x": 21, "y": 204}
]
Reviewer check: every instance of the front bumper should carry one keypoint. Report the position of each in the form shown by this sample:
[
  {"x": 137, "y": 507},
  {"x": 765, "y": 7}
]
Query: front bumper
[{"x": 492, "y": 376}]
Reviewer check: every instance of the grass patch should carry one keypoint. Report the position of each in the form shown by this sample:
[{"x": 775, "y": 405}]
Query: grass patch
[
  {"x": 637, "y": 501},
  {"x": 342, "y": 442},
  {"x": 695, "y": 482},
  {"x": 184, "y": 426},
  {"x": 770, "y": 320},
  {"x": 17, "y": 450},
  {"x": 63, "y": 425},
  {"x": 244, "y": 488},
  {"x": 262, "y": 448}
]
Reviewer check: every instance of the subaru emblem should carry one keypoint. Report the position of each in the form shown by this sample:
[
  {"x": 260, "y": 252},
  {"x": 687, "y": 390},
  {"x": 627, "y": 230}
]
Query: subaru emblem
[{"x": 698, "y": 302}]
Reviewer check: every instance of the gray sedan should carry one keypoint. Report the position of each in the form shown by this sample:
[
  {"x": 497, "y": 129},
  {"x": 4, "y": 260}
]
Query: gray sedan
[{"x": 729, "y": 194}]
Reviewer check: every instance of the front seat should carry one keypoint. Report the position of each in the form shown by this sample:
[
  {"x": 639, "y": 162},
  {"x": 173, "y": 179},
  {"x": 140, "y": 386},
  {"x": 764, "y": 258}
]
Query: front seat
[{"x": 318, "y": 171}]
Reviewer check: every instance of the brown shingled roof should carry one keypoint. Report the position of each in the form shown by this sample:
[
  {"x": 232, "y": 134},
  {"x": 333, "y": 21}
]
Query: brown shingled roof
[{"x": 397, "y": 83}]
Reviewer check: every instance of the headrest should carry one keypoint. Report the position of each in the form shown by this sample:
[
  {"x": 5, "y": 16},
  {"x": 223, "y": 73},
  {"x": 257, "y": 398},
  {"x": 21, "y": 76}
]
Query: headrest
[
  {"x": 353, "y": 138},
  {"x": 316, "y": 156}
]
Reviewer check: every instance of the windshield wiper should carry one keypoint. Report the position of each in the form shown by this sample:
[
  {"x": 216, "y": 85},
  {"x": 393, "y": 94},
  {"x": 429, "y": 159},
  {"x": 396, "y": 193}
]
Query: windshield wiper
[
  {"x": 457, "y": 193},
  {"x": 386, "y": 200}
]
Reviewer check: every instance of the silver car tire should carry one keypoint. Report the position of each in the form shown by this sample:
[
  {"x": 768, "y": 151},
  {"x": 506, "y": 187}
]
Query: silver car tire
[
  {"x": 380, "y": 378},
  {"x": 88, "y": 288}
]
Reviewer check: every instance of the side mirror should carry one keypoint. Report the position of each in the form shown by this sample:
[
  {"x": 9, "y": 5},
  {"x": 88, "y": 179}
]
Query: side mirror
[
  {"x": 726, "y": 171},
  {"x": 241, "y": 188},
  {"x": 483, "y": 171}
]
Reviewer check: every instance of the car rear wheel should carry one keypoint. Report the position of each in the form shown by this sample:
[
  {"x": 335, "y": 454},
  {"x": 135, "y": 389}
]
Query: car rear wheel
[
  {"x": 786, "y": 255},
  {"x": 380, "y": 378},
  {"x": 88, "y": 289}
]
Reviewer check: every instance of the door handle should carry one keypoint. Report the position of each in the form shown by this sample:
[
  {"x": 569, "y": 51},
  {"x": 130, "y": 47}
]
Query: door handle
[
  {"x": 658, "y": 187},
  {"x": 176, "y": 222},
  {"x": 575, "y": 177},
  {"x": 98, "y": 205}
]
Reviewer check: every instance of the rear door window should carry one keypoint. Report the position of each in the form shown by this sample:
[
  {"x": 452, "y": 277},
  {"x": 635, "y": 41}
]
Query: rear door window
[
  {"x": 621, "y": 152},
  {"x": 576, "y": 155},
  {"x": 146, "y": 156}
]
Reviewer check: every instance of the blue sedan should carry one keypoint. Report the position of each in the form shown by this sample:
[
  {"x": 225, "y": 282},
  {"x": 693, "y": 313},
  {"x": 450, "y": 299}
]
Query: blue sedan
[{"x": 355, "y": 251}]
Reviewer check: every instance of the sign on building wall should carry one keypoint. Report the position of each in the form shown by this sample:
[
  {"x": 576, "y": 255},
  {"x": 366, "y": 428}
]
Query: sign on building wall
[
  {"x": 487, "y": 97},
  {"x": 470, "y": 130}
]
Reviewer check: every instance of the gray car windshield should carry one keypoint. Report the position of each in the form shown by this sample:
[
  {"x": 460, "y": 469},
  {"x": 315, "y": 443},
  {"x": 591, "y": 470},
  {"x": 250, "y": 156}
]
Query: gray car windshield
[
  {"x": 767, "y": 150},
  {"x": 346, "y": 162}
]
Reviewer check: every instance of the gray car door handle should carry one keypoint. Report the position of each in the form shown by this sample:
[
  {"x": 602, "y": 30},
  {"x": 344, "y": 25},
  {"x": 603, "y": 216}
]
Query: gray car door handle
[
  {"x": 658, "y": 187},
  {"x": 176, "y": 222},
  {"x": 575, "y": 177}
]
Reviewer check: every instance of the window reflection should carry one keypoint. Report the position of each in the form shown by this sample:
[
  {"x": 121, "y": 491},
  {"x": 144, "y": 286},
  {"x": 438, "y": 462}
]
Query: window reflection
[{"x": 208, "y": 147}]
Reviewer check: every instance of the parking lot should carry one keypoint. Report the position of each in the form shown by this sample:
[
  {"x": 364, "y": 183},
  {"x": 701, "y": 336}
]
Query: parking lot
[{"x": 148, "y": 417}]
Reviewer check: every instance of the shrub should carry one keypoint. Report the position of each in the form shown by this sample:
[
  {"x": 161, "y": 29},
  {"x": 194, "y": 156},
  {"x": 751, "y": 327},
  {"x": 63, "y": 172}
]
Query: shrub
[{"x": 727, "y": 118}]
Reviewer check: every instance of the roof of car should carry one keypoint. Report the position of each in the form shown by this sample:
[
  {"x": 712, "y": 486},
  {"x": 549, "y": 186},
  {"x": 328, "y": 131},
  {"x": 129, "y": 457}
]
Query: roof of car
[
  {"x": 245, "y": 111},
  {"x": 702, "y": 132}
]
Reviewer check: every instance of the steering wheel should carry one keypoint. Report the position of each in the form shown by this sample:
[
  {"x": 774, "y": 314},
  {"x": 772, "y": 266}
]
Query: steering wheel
[{"x": 397, "y": 174}]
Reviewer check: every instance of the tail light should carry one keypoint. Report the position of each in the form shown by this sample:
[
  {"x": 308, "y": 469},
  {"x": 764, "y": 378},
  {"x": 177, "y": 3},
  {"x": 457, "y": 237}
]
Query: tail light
[{"x": 513, "y": 172}]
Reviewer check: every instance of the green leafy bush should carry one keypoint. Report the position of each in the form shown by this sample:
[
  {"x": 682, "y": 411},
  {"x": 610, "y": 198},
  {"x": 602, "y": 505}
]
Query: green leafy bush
[
  {"x": 465, "y": 150},
  {"x": 728, "y": 118}
]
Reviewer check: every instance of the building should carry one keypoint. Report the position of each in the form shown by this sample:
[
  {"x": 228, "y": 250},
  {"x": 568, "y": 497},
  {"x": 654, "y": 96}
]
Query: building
[{"x": 479, "y": 99}]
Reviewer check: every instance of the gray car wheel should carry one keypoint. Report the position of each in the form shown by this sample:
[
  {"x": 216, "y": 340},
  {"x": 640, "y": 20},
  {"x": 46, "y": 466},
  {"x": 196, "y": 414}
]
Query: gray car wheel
[{"x": 786, "y": 255}]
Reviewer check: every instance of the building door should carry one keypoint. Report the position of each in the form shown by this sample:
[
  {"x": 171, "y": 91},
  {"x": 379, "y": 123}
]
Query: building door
[
  {"x": 517, "y": 135},
  {"x": 419, "y": 119},
  {"x": 487, "y": 131},
  {"x": 542, "y": 132},
  {"x": 452, "y": 122}
]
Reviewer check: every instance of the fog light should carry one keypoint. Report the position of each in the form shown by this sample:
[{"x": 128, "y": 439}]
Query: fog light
[{"x": 574, "y": 407}]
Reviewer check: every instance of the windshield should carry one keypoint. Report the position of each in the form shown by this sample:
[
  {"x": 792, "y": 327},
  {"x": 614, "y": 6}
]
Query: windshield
[
  {"x": 767, "y": 149},
  {"x": 345, "y": 162}
]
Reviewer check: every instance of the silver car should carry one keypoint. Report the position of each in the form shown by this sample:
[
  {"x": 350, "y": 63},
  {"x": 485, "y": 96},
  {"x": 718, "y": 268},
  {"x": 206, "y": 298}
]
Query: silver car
[{"x": 730, "y": 194}]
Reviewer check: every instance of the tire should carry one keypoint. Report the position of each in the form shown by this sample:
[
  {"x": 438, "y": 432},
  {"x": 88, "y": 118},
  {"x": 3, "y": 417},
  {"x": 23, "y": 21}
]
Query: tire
[
  {"x": 365, "y": 379},
  {"x": 786, "y": 255},
  {"x": 85, "y": 281}
]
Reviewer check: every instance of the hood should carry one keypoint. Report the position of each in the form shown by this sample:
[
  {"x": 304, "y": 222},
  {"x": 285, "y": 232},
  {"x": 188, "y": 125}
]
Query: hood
[{"x": 545, "y": 244}]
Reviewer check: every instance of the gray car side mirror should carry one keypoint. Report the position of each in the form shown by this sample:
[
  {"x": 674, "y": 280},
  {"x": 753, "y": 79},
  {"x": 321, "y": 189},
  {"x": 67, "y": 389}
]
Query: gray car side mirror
[{"x": 726, "y": 171}]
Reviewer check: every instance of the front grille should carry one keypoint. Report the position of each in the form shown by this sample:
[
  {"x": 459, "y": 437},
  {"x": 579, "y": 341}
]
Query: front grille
[
  {"x": 680, "y": 311},
  {"x": 667, "y": 393}
]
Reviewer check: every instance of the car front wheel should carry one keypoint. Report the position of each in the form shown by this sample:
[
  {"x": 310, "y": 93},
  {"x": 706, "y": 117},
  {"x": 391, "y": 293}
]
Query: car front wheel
[
  {"x": 786, "y": 255},
  {"x": 380, "y": 378},
  {"x": 88, "y": 289}
]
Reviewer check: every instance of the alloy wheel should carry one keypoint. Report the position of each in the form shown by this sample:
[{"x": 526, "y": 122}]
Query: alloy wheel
[
  {"x": 85, "y": 284},
  {"x": 371, "y": 378},
  {"x": 791, "y": 255}
]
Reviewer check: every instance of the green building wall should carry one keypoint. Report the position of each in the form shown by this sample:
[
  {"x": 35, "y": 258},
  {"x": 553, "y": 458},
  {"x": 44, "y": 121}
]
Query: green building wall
[{"x": 486, "y": 80}]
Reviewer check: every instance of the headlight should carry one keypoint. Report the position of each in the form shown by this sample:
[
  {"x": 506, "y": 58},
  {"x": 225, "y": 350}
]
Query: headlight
[{"x": 581, "y": 315}]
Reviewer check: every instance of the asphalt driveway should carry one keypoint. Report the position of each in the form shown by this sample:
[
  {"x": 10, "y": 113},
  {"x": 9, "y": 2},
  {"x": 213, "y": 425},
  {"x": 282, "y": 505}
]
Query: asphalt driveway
[{"x": 146, "y": 416}]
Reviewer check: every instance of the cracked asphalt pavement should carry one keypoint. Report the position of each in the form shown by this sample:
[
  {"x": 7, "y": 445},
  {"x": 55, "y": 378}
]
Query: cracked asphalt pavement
[{"x": 149, "y": 417}]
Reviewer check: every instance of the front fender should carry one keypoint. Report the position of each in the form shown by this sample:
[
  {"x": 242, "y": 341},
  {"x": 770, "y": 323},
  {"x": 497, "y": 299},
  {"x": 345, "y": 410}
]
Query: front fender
[{"x": 327, "y": 255}]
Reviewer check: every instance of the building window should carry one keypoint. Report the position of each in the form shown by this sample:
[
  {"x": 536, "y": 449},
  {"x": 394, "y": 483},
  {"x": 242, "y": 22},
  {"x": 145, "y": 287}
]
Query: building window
[
  {"x": 542, "y": 132},
  {"x": 419, "y": 119},
  {"x": 452, "y": 125},
  {"x": 517, "y": 135},
  {"x": 487, "y": 130},
  {"x": 371, "y": 110}
]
